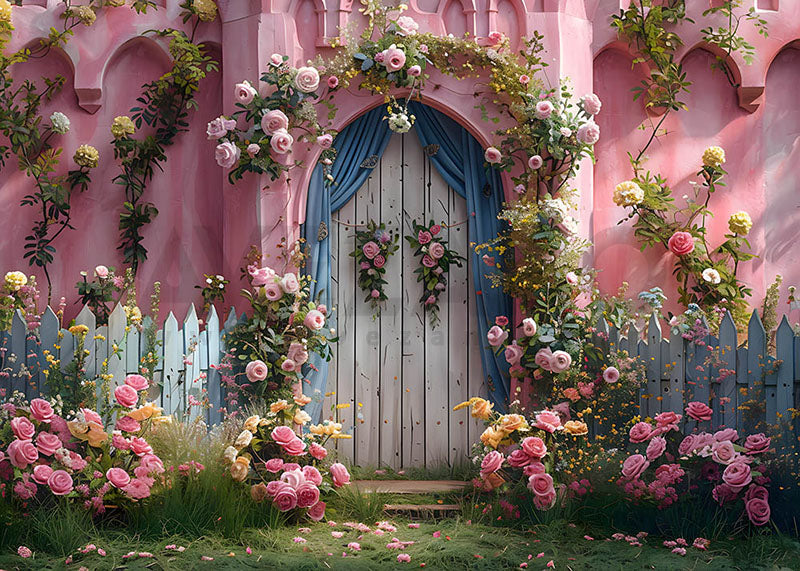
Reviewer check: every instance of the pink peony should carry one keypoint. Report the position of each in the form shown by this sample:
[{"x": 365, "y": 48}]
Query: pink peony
[
  {"x": 758, "y": 511},
  {"x": 273, "y": 465},
  {"x": 317, "y": 511},
  {"x": 542, "y": 358},
  {"x": 591, "y": 104},
  {"x": 118, "y": 477},
  {"x": 273, "y": 121},
  {"x": 312, "y": 475},
  {"x": 436, "y": 250},
  {"x": 756, "y": 443},
  {"x": 41, "y": 473},
  {"x": 281, "y": 141},
  {"x": 534, "y": 447},
  {"x": 41, "y": 410},
  {"x": 137, "y": 489},
  {"x": 633, "y": 466},
  {"x": 737, "y": 475},
  {"x": 543, "y": 109},
  {"x": 681, "y": 243},
  {"x": 493, "y": 155},
  {"x": 22, "y": 428},
  {"x": 307, "y": 495},
  {"x": 339, "y": 474},
  {"x": 137, "y": 382},
  {"x": 256, "y": 371},
  {"x": 611, "y": 375},
  {"x": 227, "y": 154},
  {"x": 414, "y": 71},
  {"x": 560, "y": 361},
  {"x": 589, "y": 133},
  {"x": 640, "y": 432},
  {"x": 371, "y": 249},
  {"x": 496, "y": 336},
  {"x": 273, "y": 291},
  {"x": 295, "y": 447},
  {"x": 491, "y": 463},
  {"x": 548, "y": 421},
  {"x": 244, "y": 92},
  {"x": 307, "y": 79},
  {"x": 60, "y": 482},
  {"x": 126, "y": 396},
  {"x": 314, "y": 320},
  {"x": 656, "y": 448},
  {"x": 283, "y": 435},
  {"x": 394, "y": 59},
  {"x": 513, "y": 353},
  {"x": 317, "y": 451},
  {"x": 325, "y": 141}
]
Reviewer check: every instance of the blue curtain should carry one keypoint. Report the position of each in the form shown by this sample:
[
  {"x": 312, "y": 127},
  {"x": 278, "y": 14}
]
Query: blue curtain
[
  {"x": 366, "y": 136},
  {"x": 460, "y": 161}
]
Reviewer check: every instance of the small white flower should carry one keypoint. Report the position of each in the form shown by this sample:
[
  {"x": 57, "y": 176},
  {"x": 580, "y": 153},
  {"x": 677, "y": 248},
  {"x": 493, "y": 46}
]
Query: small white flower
[
  {"x": 711, "y": 276},
  {"x": 208, "y": 280},
  {"x": 59, "y": 123}
]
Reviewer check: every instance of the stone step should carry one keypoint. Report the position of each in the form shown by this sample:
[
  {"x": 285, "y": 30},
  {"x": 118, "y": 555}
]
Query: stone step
[
  {"x": 422, "y": 511},
  {"x": 410, "y": 486}
]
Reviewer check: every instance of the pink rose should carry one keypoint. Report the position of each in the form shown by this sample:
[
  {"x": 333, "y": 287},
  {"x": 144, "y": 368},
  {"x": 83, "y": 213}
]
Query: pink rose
[
  {"x": 737, "y": 475},
  {"x": 140, "y": 447},
  {"x": 535, "y": 162},
  {"x": 91, "y": 416},
  {"x": 47, "y": 444},
  {"x": 756, "y": 443},
  {"x": 491, "y": 463},
  {"x": 436, "y": 250},
  {"x": 371, "y": 249},
  {"x": 379, "y": 57},
  {"x": 758, "y": 511},
  {"x": 423, "y": 237},
  {"x": 227, "y": 154},
  {"x": 519, "y": 459},
  {"x": 375, "y": 294},
  {"x": 256, "y": 371},
  {"x": 333, "y": 82},
  {"x": 325, "y": 141},
  {"x": 273, "y": 291},
  {"x": 118, "y": 477},
  {"x": 407, "y": 26},
  {"x": 276, "y": 60},
  {"x": 137, "y": 382},
  {"x": 560, "y": 361},
  {"x": 281, "y": 141},
  {"x": 21, "y": 453},
  {"x": 493, "y": 155},
  {"x": 542, "y": 358},
  {"x": 430, "y": 300},
  {"x": 548, "y": 421},
  {"x": 656, "y": 448},
  {"x": 317, "y": 451},
  {"x": 633, "y": 466},
  {"x": 288, "y": 365},
  {"x": 545, "y": 502},
  {"x": 252, "y": 150},
  {"x": 312, "y": 475},
  {"x": 152, "y": 463},
  {"x": 60, "y": 482},
  {"x": 286, "y": 499},
  {"x": 101, "y": 272},
  {"x": 723, "y": 452},
  {"x": 687, "y": 445},
  {"x": 541, "y": 484},
  {"x": 260, "y": 276},
  {"x": 611, "y": 375},
  {"x": 317, "y": 511},
  {"x": 41, "y": 473},
  {"x": 307, "y": 79},
  {"x": 297, "y": 353},
  {"x": 667, "y": 419},
  {"x": 293, "y": 477},
  {"x": 314, "y": 320},
  {"x": 589, "y": 133},
  {"x": 534, "y": 468},
  {"x": 543, "y": 109},
  {"x": 289, "y": 283},
  {"x": 339, "y": 475},
  {"x": 501, "y": 320},
  {"x": 22, "y": 428},
  {"x": 41, "y": 410},
  {"x": 244, "y": 92},
  {"x": 640, "y": 432},
  {"x": 496, "y": 336},
  {"x": 698, "y": 411},
  {"x": 428, "y": 262},
  {"x": 524, "y": 79},
  {"x": 273, "y": 465},
  {"x": 283, "y": 435},
  {"x": 274, "y": 121},
  {"x": 307, "y": 495},
  {"x": 126, "y": 396},
  {"x": 681, "y": 243},
  {"x": 219, "y": 127},
  {"x": 435, "y": 229},
  {"x": 726, "y": 434},
  {"x": 591, "y": 104},
  {"x": 414, "y": 71},
  {"x": 394, "y": 59},
  {"x": 514, "y": 353},
  {"x": 535, "y": 447},
  {"x": 529, "y": 327},
  {"x": 379, "y": 261},
  {"x": 128, "y": 424}
]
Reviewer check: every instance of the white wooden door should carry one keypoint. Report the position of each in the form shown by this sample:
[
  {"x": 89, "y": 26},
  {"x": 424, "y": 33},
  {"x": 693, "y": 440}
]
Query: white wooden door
[{"x": 400, "y": 375}]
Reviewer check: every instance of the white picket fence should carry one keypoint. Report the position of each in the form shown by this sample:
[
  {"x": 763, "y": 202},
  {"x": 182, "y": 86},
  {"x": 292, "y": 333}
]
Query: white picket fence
[{"x": 678, "y": 371}]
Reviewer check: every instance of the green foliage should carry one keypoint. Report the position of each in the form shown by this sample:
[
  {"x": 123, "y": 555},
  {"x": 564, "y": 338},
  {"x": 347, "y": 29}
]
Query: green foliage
[
  {"x": 99, "y": 292},
  {"x": 213, "y": 289},
  {"x": 726, "y": 37},
  {"x": 164, "y": 108}
]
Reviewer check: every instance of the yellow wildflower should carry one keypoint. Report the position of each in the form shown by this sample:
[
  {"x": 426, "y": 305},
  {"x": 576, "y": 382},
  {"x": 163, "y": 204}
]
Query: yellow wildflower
[
  {"x": 713, "y": 156},
  {"x": 740, "y": 223}
]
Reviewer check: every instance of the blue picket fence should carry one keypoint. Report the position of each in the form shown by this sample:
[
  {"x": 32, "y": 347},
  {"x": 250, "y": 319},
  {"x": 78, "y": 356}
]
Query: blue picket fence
[{"x": 718, "y": 371}]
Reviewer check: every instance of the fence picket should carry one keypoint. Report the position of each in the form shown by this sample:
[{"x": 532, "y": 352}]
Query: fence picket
[
  {"x": 48, "y": 333},
  {"x": 117, "y": 363},
  {"x": 173, "y": 347},
  {"x": 17, "y": 351},
  {"x": 87, "y": 318},
  {"x": 756, "y": 355},
  {"x": 727, "y": 356},
  {"x": 213, "y": 350},
  {"x": 191, "y": 362},
  {"x": 677, "y": 371}
]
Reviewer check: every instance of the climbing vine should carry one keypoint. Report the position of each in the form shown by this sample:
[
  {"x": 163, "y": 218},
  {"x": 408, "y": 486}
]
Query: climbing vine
[{"x": 164, "y": 107}]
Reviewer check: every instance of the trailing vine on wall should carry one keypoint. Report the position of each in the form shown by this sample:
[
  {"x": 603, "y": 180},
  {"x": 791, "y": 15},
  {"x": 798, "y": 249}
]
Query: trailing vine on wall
[{"x": 164, "y": 107}]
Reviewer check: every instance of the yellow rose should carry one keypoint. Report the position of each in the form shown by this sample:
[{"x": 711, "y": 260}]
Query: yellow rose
[
  {"x": 481, "y": 409},
  {"x": 713, "y": 156},
  {"x": 492, "y": 437},
  {"x": 5, "y": 11},
  {"x": 576, "y": 427},
  {"x": 15, "y": 281},
  {"x": 252, "y": 423},
  {"x": 206, "y": 10},
  {"x": 278, "y": 406},
  {"x": 493, "y": 481},
  {"x": 122, "y": 126},
  {"x": 240, "y": 468},
  {"x": 628, "y": 193},
  {"x": 317, "y": 429},
  {"x": 301, "y": 417},
  {"x": 512, "y": 422},
  {"x": 86, "y": 156},
  {"x": 244, "y": 439},
  {"x": 740, "y": 223}
]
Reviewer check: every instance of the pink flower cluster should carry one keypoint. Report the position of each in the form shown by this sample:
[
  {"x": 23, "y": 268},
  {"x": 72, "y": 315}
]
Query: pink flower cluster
[{"x": 298, "y": 488}]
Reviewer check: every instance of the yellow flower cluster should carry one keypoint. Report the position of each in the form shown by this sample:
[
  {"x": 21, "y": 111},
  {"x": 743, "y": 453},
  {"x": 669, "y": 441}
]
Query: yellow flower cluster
[
  {"x": 134, "y": 314},
  {"x": 86, "y": 15},
  {"x": 79, "y": 330},
  {"x": 628, "y": 193},
  {"x": 15, "y": 281},
  {"x": 122, "y": 126},
  {"x": 5, "y": 11},
  {"x": 206, "y": 10},
  {"x": 713, "y": 157},
  {"x": 87, "y": 156},
  {"x": 328, "y": 428},
  {"x": 740, "y": 223}
]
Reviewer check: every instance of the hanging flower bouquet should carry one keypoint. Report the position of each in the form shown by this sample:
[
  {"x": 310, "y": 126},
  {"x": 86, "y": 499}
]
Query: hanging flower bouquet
[
  {"x": 373, "y": 247},
  {"x": 435, "y": 259}
]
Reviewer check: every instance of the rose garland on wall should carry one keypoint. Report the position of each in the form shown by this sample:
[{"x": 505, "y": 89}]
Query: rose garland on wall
[
  {"x": 435, "y": 259},
  {"x": 373, "y": 246}
]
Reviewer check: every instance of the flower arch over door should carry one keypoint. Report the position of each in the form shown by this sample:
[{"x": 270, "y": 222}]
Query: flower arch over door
[{"x": 458, "y": 159}]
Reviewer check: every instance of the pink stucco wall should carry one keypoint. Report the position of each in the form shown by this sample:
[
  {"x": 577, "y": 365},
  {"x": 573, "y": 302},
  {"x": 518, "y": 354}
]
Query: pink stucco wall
[{"x": 205, "y": 225}]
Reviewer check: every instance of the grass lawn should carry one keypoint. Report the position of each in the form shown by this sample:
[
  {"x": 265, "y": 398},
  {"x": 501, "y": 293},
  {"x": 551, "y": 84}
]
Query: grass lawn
[{"x": 450, "y": 544}]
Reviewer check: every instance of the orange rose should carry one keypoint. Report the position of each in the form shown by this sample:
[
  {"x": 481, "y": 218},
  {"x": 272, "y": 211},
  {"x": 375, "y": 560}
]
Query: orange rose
[
  {"x": 259, "y": 492},
  {"x": 512, "y": 422},
  {"x": 576, "y": 427},
  {"x": 492, "y": 436},
  {"x": 302, "y": 400},
  {"x": 493, "y": 481},
  {"x": 572, "y": 394},
  {"x": 240, "y": 468},
  {"x": 278, "y": 406},
  {"x": 481, "y": 409},
  {"x": 145, "y": 411}
]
